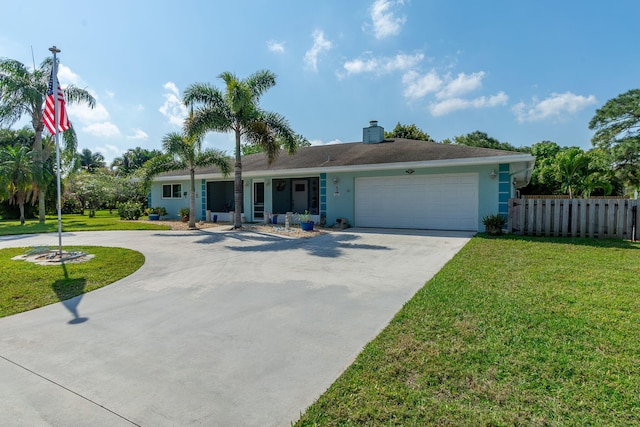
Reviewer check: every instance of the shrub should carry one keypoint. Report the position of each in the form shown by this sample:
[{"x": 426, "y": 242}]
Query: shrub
[
  {"x": 493, "y": 223},
  {"x": 129, "y": 210}
]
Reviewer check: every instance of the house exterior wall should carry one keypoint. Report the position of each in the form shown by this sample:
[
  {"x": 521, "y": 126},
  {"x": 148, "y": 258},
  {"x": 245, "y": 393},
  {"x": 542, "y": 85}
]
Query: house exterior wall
[
  {"x": 343, "y": 206},
  {"x": 493, "y": 192},
  {"x": 173, "y": 205}
]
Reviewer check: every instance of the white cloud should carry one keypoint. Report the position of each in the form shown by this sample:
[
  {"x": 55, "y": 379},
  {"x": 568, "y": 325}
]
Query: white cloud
[
  {"x": 320, "y": 142},
  {"x": 110, "y": 94},
  {"x": 383, "y": 65},
  {"x": 275, "y": 46},
  {"x": 138, "y": 134},
  {"x": 455, "y": 104},
  {"x": 556, "y": 105},
  {"x": 84, "y": 114},
  {"x": 68, "y": 77},
  {"x": 108, "y": 151},
  {"x": 173, "y": 109},
  {"x": 105, "y": 129},
  {"x": 320, "y": 45},
  {"x": 461, "y": 85},
  {"x": 384, "y": 21},
  {"x": 417, "y": 86}
]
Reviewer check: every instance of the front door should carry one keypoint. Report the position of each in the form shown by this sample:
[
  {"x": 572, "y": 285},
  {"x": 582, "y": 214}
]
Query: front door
[
  {"x": 258, "y": 200},
  {"x": 300, "y": 196}
]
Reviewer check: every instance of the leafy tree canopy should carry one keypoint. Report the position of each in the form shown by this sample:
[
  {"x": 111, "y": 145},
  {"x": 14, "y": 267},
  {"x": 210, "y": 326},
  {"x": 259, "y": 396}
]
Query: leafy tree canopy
[
  {"x": 617, "y": 126},
  {"x": 251, "y": 148},
  {"x": 133, "y": 159},
  {"x": 481, "y": 139},
  {"x": 408, "y": 132}
]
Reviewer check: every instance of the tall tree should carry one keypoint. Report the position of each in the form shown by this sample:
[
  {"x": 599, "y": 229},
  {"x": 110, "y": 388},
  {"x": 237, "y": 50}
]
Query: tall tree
[
  {"x": 238, "y": 110},
  {"x": 132, "y": 160},
  {"x": 18, "y": 176},
  {"x": 23, "y": 92},
  {"x": 572, "y": 167},
  {"x": 249, "y": 148},
  {"x": 184, "y": 151},
  {"x": 408, "y": 132},
  {"x": 89, "y": 161},
  {"x": 617, "y": 126}
]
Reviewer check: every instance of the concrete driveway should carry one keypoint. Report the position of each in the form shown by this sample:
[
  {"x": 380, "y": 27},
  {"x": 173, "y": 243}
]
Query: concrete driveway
[{"x": 217, "y": 328}]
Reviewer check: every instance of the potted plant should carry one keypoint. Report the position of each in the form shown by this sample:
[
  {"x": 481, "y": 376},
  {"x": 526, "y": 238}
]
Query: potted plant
[
  {"x": 493, "y": 224},
  {"x": 306, "y": 223},
  {"x": 155, "y": 213},
  {"x": 184, "y": 214}
]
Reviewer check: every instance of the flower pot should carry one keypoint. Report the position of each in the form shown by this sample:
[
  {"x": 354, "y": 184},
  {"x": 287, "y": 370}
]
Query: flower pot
[
  {"x": 154, "y": 217},
  {"x": 306, "y": 226}
]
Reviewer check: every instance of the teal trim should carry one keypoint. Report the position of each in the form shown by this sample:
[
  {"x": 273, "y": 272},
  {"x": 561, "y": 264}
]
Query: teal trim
[
  {"x": 203, "y": 198},
  {"x": 504, "y": 189},
  {"x": 323, "y": 194}
]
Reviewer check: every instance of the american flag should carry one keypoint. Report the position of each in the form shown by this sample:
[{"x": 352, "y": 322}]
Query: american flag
[{"x": 49, "y": 112}]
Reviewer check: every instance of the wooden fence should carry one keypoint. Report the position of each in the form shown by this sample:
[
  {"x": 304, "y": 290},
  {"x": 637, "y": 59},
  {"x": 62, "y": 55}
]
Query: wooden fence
[{"x": 602, "y": 218}]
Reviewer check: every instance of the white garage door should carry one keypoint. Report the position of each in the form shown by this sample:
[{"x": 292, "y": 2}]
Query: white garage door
[{"x": 437, "y": 202}]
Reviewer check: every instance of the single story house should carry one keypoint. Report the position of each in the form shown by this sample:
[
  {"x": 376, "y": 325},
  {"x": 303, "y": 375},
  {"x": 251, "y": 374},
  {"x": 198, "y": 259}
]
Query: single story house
[{"x": 393, "y": 183}]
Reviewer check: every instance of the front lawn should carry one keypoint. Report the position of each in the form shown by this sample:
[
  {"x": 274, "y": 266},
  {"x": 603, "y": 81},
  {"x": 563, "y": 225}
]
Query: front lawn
[
  {"x": 75, "y": 222},
  {"x": 25, "y": 285},
  {"x": 512, "y": 331}
]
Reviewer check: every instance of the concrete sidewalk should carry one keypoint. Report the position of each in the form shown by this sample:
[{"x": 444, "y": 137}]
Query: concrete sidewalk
[{"x": 217, "y": 328}]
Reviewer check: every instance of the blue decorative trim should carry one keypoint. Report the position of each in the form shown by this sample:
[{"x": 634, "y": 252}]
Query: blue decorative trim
[
  {"x": 323, "y": 194},
  {"x": 504, "y": 189},
  {"x": 203, "y": 195}
]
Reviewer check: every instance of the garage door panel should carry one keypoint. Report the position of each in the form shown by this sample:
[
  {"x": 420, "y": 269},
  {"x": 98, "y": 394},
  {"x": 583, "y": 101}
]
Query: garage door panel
[{"x": 446, "y": 202}]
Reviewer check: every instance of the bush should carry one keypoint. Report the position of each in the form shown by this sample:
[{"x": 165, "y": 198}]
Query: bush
[
  {"x": 494, "y": 223},
  {"x": 129, "y": 210},
  {"x": 72, "y": 205}
]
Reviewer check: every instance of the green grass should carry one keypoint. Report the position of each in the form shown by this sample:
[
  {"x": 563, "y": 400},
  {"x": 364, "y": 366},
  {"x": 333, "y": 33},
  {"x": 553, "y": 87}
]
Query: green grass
[
  {"x": 25, "y": 285},
  {"x": 512, "y": 331},
  {"x": 72, "y": 222}
]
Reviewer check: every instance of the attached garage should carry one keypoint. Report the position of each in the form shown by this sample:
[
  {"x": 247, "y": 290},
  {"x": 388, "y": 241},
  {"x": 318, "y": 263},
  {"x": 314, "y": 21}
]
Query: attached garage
[{"x": 437, "y": 202}]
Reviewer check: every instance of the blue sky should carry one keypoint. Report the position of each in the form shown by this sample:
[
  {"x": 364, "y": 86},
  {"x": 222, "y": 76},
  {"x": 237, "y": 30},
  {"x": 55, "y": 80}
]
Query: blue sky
[{"x": 522, "y": 71}]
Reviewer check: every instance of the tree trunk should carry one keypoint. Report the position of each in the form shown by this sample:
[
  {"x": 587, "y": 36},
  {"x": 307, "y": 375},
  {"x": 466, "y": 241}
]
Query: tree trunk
[
  {"x": 21, "y": 205},
  {"x": 237, "y": 222},
  {"x": 42, "y": 193},
  {"x": 192, "y": 200}
]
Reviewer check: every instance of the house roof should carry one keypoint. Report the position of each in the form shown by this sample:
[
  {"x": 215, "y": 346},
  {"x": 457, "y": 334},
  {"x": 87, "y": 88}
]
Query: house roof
[{"x": 392, "y": 153}]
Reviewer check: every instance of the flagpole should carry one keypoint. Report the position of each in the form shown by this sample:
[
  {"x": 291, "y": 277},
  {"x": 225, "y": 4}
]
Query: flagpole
[{"x": 56, "y": 113}]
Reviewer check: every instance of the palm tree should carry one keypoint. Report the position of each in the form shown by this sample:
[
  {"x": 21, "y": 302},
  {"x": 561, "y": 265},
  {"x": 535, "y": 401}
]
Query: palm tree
[
  {"x": 185, "y": 152},
  {"x": 237, "y": 110},
  {"x": 89, "y": 161},
  {"x": 572, "y": 167},
  {"x": 132, "y": 160},
  {"x": 19, "y": 173},
  {"x": 24, "y": 92}
]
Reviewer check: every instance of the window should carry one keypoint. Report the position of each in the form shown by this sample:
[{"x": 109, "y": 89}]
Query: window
[{"x": 172, "y": 191}]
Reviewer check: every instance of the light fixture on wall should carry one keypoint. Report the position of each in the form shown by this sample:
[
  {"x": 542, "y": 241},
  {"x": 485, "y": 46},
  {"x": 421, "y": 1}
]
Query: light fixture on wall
[
  {"x": 337, "y": 192},
  {"x": 493, "y": 173},
  {"x": 335, "y": 180},
  {"x": 184, "y": 194}
]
